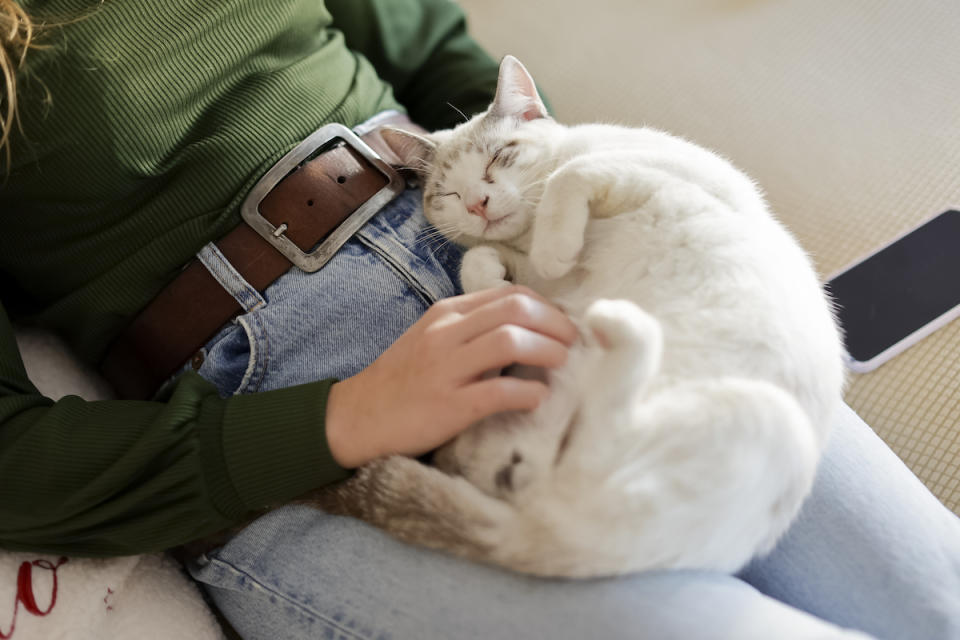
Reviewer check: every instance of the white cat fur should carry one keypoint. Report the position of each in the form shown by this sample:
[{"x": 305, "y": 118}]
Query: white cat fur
[{"x": 686, "y": 426}]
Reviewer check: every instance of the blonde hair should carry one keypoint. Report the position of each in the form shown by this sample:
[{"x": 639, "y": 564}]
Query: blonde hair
[{"x": 16, "y": 36}]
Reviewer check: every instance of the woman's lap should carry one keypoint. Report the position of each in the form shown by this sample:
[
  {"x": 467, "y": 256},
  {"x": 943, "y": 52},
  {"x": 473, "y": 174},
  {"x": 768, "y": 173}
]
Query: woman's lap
[
  {"x": 872, "y": 549},
  {"x": 300, "y": 573},
  {"x": 890, "y": 569}
]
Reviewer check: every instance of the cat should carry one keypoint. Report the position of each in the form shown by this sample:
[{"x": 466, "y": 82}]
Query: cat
[{"x": 685, "y": 428}]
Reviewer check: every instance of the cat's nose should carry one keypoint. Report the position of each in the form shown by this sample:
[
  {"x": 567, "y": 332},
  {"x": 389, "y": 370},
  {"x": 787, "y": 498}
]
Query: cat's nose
[{"x": 479, "y": 208}]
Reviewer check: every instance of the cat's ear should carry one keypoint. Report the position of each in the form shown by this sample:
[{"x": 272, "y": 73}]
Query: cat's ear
[
  {"x": 517, "y": 95},
  {"x": 413, "y": 151}
]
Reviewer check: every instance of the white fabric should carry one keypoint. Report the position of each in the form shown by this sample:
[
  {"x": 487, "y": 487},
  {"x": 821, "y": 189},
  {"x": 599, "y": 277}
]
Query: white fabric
[
  {"x": 132, "y": 598},
  {"x": 136, "y": 597}
]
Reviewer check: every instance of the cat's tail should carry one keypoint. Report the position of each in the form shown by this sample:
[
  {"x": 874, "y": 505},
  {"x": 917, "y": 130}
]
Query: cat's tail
[{"x": 421, "y": 505}]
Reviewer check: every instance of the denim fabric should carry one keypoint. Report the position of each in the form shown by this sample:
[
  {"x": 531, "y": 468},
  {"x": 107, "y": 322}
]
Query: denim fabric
[
  {"x": 872, "y": 549},
  {"x": 298, "y": 573},
  {"x": 336, "y": 321}
]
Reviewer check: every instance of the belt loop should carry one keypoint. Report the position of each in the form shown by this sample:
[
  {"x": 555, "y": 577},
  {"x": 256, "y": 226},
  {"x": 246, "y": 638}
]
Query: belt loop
[{"x": 229, "y": 278}]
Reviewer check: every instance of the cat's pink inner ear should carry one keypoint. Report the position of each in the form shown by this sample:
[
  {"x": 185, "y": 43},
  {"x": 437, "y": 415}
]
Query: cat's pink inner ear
[
  {"x": 411, "y": 151},
  {"x": 533, "y": 113},
  {"x": 517, "y": 93}
]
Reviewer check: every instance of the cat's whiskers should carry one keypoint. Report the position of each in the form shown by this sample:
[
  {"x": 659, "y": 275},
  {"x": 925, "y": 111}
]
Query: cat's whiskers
[
  {"x": 462, "y": 114},
  {"x": 426, "y": 236},
  {"x": 430, "y": 234},
  {"x": 443, "y": 244},
  {"x": 435, "y": 229},
  {"x": 446, "y": 240},
  {"x": 422, "y": 166},
  {"x": 453, "y": 238}
]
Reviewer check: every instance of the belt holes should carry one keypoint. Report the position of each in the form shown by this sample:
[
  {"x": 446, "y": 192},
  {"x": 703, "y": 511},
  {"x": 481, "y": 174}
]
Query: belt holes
[
  {"x": 309, "y": 203},
  {"x": 341, "y": 179}
]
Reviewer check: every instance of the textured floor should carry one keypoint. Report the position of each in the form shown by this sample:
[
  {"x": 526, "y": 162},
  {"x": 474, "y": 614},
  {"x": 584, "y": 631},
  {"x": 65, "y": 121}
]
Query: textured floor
[{"x": 848, "y": 115}]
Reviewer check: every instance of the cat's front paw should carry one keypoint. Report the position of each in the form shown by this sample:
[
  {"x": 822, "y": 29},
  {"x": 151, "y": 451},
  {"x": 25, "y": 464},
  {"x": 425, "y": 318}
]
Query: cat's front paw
[
  {"x": 553, "y": 261},
  {"x": 482, "y": 269},
  {"x": 553, "y": 268}
]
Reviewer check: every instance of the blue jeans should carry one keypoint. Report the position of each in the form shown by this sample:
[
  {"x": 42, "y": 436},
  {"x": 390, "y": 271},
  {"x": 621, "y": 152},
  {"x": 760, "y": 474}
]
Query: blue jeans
[{"x": 872, "y": 550}]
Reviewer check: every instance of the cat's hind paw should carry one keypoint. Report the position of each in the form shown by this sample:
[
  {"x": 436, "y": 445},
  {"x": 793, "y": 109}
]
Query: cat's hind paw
[
  {"x": 632, "y": 339},
  {"x": 616, "y": 323}
]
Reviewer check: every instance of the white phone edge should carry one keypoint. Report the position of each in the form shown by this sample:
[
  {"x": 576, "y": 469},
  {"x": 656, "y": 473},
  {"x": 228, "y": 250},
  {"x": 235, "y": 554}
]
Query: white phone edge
[
  {"x": 858, "y": 366},
  {"x": 896, "y": 349}
]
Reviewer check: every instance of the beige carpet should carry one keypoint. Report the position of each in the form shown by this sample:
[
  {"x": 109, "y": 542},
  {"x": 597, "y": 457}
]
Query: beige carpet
[{"x": 847, "y": 113}]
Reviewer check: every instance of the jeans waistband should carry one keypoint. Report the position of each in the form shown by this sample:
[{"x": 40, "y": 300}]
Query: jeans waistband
[{"x": 253, "y": 255}]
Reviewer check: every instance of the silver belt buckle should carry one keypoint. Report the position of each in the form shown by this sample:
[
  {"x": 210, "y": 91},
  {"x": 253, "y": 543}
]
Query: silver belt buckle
[{"x": 322, "y": 139}]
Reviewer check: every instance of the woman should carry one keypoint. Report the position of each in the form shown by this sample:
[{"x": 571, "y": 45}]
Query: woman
[{"x": 144, "y": 131}]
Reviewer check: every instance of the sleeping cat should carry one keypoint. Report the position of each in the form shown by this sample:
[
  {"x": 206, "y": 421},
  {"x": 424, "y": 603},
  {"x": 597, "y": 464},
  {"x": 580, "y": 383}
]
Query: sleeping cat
[{"x": 684, "y": 429}]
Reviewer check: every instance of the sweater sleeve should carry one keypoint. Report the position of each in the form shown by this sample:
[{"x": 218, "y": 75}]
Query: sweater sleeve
[
  {"x": 121, "y": 477},
  {"x": 422, "y": 49}
]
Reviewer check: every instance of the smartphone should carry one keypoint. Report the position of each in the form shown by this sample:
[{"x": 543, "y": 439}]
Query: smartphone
[{"x": 901, "y": 293}]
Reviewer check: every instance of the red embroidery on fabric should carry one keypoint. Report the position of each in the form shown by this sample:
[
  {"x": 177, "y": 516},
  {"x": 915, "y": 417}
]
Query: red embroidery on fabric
[
  {"x": 25, "y": 591},
  {"x": 109, "y": 593}
]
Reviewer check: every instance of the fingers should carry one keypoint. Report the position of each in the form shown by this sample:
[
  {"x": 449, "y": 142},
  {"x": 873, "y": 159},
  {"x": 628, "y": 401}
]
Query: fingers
[
  {"x": 469, "y": 301},
  {"x": 517, "y": 309},
  {"x": 494, "y": 328},
  {"x": 505, "y": 345},
  {"x": 485, "y": 398}
]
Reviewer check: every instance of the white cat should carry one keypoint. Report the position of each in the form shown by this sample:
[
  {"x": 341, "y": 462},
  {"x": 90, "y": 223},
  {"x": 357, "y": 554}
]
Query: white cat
[{"x": 685, "y": 428}]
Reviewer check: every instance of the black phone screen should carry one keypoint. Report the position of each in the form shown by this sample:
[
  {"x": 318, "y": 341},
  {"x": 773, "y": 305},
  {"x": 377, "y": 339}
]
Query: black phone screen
[{"x": 901, "y": 288}]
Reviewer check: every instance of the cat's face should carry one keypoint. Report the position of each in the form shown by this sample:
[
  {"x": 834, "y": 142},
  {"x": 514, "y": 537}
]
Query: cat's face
[
  {"x": 484, "y": 182},
  {"x": 482, "y": 179}
]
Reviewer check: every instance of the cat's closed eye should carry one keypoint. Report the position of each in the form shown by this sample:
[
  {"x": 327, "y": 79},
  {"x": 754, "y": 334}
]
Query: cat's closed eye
[
  {"x": 486, "y": 172},
  {"x": 449, "y": 193},
  {"x": 500, "y": 158}
]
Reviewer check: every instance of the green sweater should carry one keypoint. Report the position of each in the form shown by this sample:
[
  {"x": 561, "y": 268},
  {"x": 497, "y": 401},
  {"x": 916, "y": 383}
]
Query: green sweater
[{"x": 143, "y": 126}]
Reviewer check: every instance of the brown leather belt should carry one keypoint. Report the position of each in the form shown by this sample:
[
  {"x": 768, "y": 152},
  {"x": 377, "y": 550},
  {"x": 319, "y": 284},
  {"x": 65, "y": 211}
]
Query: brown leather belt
[{"x": 299, "y": 213}]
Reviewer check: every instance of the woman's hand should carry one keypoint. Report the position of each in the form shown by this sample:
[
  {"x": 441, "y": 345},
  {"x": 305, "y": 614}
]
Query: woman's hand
[{"x": 430, "y": 385}]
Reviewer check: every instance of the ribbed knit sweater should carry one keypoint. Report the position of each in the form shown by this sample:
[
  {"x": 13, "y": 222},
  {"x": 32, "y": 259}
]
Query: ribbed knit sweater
[{"x": 143, "y": 126}]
